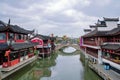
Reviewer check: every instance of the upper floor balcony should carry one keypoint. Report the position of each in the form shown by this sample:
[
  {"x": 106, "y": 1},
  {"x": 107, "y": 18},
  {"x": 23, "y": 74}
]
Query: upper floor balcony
[
  {"x": 92, "y": 53},
  {"x": 111, "y": 40},
  {"x": 90, "y": 43},
  {"x": 13, "y": 33},
  {"x": 14, "y": 37},
  {"x": 101, "y": 41}
]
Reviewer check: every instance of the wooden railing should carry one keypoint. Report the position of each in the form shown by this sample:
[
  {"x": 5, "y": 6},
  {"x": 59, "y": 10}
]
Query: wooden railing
[
  {"x": 90, "y": 43},
  {"x": 76, "y": 46},
  {"x": 92, "y": 53},
  {"x": 113, "y": 60}
]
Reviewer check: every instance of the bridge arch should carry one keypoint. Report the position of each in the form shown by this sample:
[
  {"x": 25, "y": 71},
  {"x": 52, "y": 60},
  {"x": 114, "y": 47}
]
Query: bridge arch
[{"x": 59, "y": 46}]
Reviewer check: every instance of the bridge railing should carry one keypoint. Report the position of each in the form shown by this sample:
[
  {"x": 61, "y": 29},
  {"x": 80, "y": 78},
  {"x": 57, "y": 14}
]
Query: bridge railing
[{"x": 59, "y": 46}]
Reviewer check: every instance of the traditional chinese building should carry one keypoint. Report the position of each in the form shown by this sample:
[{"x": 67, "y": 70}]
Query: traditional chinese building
[
  {"x": 102, "y": 44},
  {"x": 45, "y": 46},
  {"x": 15, "y": 47}
]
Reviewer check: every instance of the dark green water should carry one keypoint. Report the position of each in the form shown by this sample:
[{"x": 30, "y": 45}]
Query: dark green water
[{"x": 60, "y": 66}]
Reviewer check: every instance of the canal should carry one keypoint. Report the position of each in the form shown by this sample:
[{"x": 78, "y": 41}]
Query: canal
[{"x": 60, "y": 66}]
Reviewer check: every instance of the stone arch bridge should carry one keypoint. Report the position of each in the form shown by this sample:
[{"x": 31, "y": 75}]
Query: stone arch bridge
[{"x": 59, "y": 46}]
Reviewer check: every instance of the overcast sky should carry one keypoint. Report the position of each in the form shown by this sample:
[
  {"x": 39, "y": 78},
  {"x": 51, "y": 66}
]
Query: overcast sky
[{"x": 60, "y": 17}]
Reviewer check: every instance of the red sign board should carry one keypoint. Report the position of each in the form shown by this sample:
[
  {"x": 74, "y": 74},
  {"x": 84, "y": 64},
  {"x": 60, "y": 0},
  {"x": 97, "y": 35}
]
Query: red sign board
[{"x": 40, "y": 41}]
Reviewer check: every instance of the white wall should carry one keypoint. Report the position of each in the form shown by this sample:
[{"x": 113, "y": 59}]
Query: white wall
[
  {"x": 112, "y": 63},
  {"x": 99, "y": 56},
  {"x": 92, "y": 29},
  {"x": 110, "y": 25}
]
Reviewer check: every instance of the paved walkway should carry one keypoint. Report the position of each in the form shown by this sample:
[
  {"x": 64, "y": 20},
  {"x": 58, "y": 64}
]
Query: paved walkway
[{"x": 106, "y": 74}]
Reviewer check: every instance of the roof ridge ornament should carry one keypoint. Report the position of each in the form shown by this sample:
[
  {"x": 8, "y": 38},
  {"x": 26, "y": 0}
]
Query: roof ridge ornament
[
  {"x": 9, "y": 22},
  {"x": 111, "y": 19}
]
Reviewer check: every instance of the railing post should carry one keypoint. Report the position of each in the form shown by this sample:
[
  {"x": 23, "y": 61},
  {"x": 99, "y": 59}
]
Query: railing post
[
  {"x": 0, "y": 75},
  {"x": 86, "y": 53},
  {"x": 99, "y": 56}
]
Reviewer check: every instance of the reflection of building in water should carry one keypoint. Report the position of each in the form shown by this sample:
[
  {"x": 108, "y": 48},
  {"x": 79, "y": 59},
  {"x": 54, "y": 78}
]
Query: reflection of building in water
[
  {"x": 37, "y": 73},
  {"x": 41, "y": 73},
  {"x": 35, "y": 70}
]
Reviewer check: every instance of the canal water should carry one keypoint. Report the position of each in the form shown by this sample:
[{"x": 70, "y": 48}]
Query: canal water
[{"x": 60, "y": 66}]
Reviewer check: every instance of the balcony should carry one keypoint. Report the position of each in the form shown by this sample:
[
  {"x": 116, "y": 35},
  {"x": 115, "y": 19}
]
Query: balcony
[
  {"x": 90, "y": 43},
  {"x": 92, "y": 53},
  {"x": 112, "y": 60},
  {"x": 112, "y": 40}
]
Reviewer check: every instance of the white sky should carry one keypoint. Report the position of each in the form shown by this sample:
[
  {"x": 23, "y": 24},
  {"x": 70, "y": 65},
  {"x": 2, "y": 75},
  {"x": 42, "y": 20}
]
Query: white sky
[{"x": 60, "y": 17}]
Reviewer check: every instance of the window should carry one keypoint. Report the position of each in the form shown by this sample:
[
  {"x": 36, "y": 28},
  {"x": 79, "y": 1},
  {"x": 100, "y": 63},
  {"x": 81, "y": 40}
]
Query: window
[
  {"x": 25, "y": 37},
  {"x": 10, "y": 36},
  {"x": 19, "y": 37},
  {"x": 22, "y": 36},
  {"x": 13, "y": 56},
  {"x": 31, "y": 50},
  {"x": 23, "y": 53},
  {"x": 2, "y": 36}
]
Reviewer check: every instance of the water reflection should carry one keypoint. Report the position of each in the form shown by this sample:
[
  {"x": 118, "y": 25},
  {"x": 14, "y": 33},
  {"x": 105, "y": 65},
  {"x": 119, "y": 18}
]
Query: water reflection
[
  {"x": 60, "y": 66},
  {"x": 67, "y": 68},
  {"x": 34, "y": 71}
]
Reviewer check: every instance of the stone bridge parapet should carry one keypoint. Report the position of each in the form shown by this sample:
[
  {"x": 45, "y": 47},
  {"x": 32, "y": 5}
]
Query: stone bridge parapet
[{"x": 59, "y": 46}]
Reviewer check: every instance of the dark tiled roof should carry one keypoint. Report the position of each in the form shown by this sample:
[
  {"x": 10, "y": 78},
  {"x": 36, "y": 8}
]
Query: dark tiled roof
[
  {"x": 43, "y": 37},
  {"x": 97, "y": 25},
  {"x": 92, "y": 26},
  {"x": 87, "y": 30},
  {"x": 111, "y": 46},
  {"x": 52, "y": 38},
  {"x": 18, "y": 29},
  {"x": 104, "y": 33},
  {"x": 101, "y": 24},
  {"x": 13, "y": 28},
  {"x": 95, "y": 33},
  {"x": 18, "y": 46},
  {"x": 2, "y": 26},
  {"x": 4, "y": 46},
  {"x": 118, "y": 25},
  {"x": 111, "y": 19},
  {"x": 113, "y": 31}
]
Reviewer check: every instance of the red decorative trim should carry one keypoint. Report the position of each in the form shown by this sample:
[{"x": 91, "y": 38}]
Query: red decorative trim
[
  {"x": 19, "y": 40},
  {"x": 30, "y": 55},
  {"x": 14, "y": 62},
  {"x": 2, "y": 41}
]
